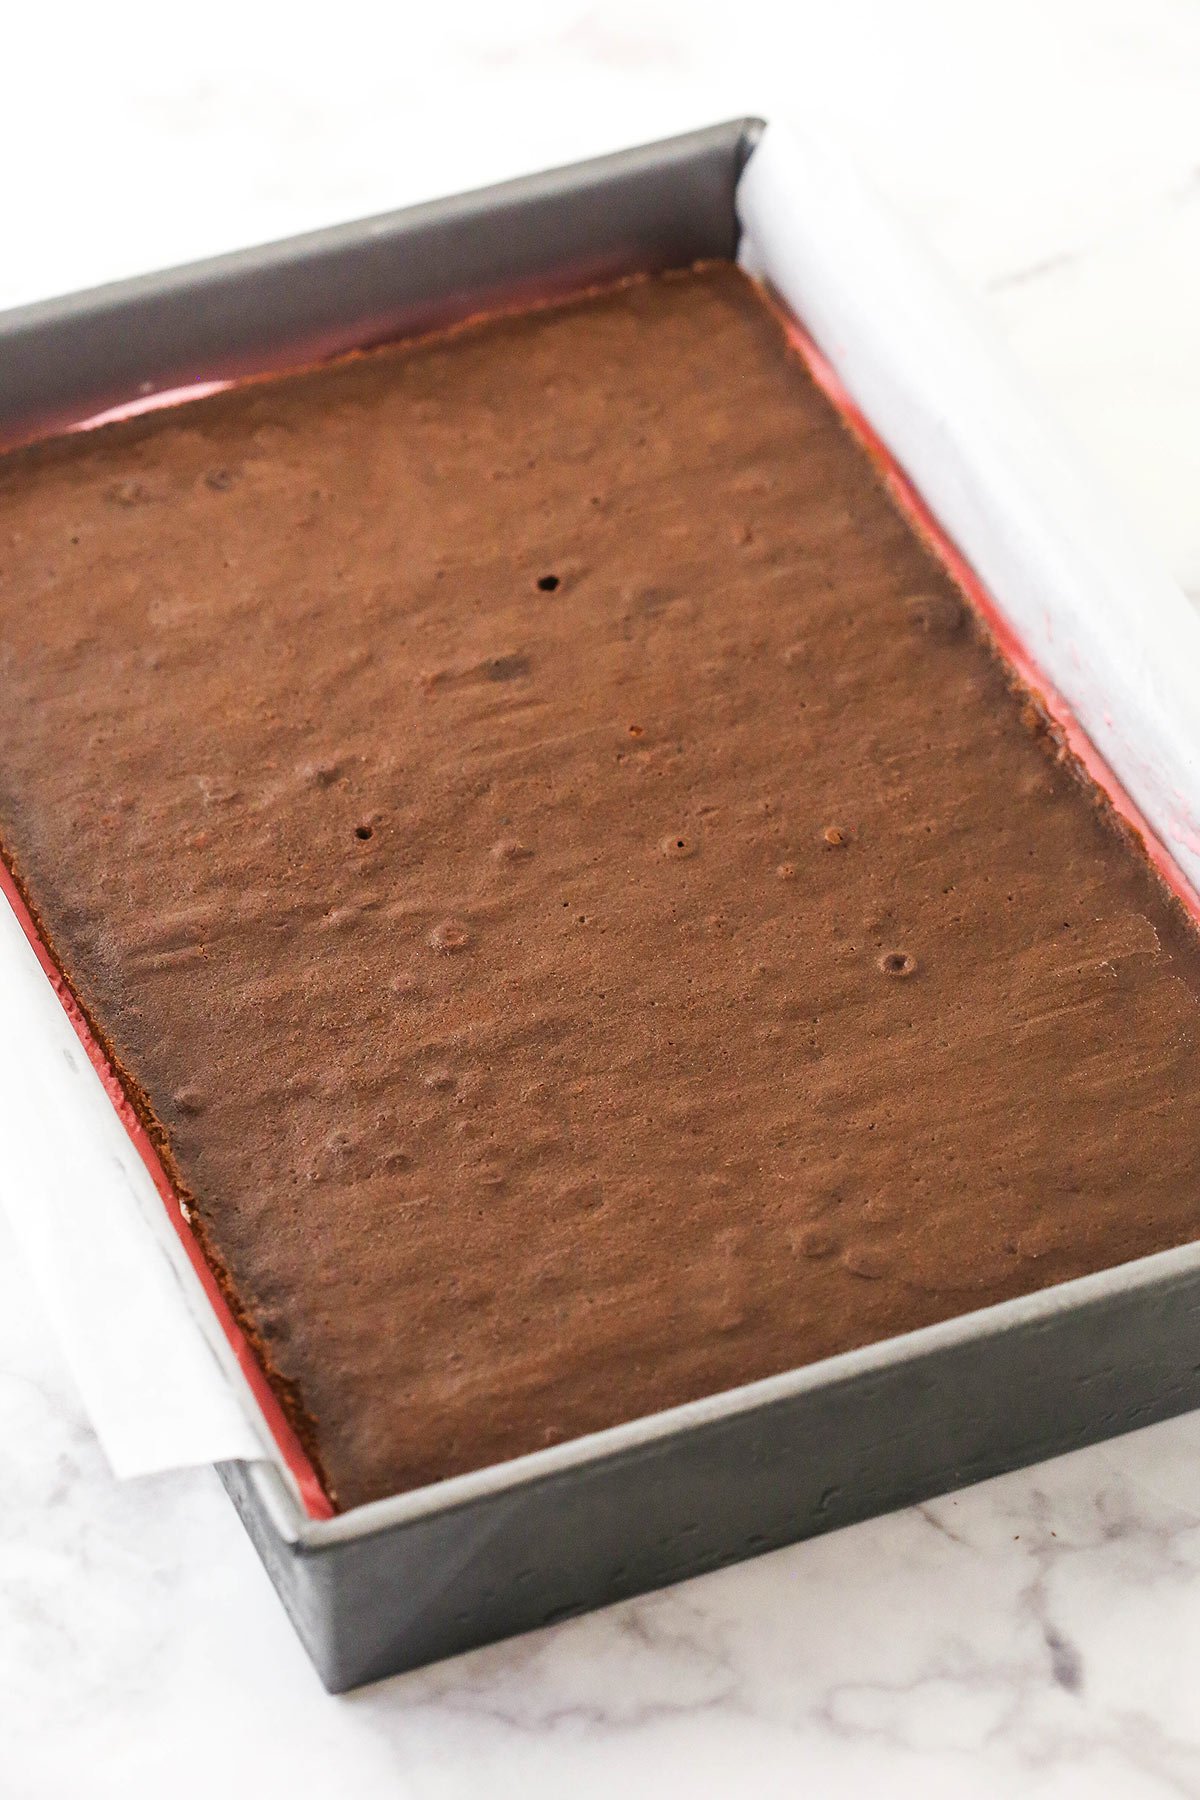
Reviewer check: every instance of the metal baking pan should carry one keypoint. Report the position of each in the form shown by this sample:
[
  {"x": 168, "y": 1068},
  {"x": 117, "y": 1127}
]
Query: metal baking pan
[{"x": 404, "y": 1581}]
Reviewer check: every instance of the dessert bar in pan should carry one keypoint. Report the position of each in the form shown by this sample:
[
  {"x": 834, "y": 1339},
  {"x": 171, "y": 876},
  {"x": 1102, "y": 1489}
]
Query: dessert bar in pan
[{"x": 607, "y": 852}]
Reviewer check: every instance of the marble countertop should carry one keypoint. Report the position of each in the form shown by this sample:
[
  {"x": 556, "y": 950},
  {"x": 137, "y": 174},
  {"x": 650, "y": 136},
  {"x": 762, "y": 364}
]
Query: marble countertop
[{"x": 1037, "y": 1635}]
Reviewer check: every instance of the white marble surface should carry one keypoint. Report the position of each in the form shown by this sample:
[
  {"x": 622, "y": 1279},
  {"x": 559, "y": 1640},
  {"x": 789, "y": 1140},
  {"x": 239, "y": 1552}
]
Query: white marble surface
[{"x": 1036, "y": 1636}]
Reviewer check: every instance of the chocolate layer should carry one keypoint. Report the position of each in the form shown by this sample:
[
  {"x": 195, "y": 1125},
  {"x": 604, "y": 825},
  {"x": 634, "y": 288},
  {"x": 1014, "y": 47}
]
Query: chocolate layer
[{"x": 568, "y": 882}]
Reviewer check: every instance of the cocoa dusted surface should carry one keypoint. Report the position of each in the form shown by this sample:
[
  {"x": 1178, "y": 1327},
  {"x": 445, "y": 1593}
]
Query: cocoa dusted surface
[{"x": 571, "y": 890}]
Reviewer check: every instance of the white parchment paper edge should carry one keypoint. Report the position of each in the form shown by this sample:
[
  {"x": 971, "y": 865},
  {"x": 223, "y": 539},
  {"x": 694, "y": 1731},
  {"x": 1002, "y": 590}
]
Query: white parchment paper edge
[
  {"x": 137, "y": 1332},
  {"x": 1090, "y": 604}
]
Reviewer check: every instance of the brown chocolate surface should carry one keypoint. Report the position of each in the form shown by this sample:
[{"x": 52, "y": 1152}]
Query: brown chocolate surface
[{"x": 567, "y": 884}]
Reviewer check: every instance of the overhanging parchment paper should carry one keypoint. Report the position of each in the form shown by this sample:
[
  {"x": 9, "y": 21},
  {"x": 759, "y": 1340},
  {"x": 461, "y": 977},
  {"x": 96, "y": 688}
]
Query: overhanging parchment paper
[
  {"x": 1088, "y": 602},
  {"x": 121, "y": 1296}
]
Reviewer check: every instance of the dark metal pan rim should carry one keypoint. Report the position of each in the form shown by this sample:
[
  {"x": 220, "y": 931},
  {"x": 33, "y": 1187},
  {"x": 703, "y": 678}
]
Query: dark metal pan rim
[{"x": 1025, "y": 1312}]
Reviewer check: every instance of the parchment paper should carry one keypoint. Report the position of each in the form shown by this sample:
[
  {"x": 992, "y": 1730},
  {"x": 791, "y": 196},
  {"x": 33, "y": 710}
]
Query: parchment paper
[
  {"x": 1091, "y": 606},
  {"x": 131, "y": 1317}
]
